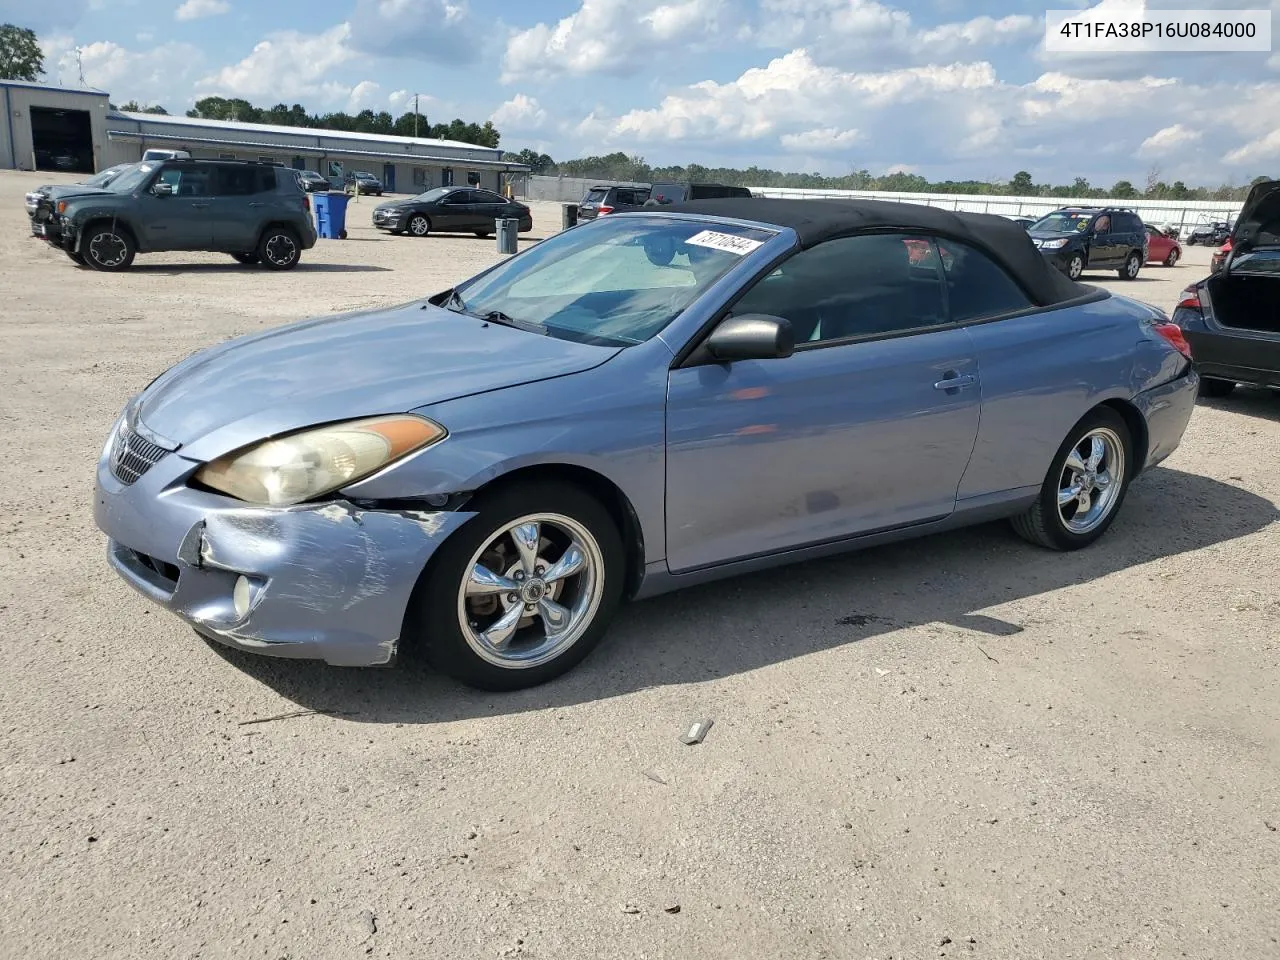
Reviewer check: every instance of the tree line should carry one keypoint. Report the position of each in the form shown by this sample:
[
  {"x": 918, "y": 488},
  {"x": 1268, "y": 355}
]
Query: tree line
[{"x": 621, "y": 166}]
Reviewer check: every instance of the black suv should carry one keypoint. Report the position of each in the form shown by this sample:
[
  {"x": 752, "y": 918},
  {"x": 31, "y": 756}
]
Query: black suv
[
  {"x": 664, "y": 193},
  {"x": 257, "y": 212},
  {"x": 1075, "y": 239},
  {"x": 603, "y": 200}
]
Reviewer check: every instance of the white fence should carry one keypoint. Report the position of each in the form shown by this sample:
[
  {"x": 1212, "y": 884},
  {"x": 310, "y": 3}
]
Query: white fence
[{"x": 1183, "y": 214}]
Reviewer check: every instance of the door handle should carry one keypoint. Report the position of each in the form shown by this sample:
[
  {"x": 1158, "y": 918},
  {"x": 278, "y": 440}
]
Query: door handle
[
  {"x": 199, "y": 206},
  {"x": 955, "y": 381},
  {"x": 257, "y": 204}
]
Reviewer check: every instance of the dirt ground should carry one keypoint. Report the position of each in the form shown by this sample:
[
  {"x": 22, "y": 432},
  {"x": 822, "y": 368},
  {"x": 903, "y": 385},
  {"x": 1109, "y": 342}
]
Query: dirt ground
[{"x": 962, "y": 746}]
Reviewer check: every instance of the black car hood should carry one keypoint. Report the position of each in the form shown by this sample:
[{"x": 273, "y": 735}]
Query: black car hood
[{"x": 1261, "y": 208}]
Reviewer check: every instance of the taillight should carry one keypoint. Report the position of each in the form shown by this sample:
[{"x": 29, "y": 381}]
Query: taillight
[
  {"x": 306, "y": 203},
  {"x": 603, "y": 209},
  {"x": 1190, "y": 298},
  {"x": 1173, "y": 333}
]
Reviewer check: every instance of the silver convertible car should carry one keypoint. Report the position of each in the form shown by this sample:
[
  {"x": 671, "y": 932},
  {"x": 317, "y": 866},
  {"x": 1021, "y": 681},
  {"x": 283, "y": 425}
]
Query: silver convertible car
[{"x": 639, "y": 403}]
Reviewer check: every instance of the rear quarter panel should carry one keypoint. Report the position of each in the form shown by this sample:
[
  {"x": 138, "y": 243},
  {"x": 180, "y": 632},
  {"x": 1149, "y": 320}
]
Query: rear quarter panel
[{"x": 1041, "y": 373}]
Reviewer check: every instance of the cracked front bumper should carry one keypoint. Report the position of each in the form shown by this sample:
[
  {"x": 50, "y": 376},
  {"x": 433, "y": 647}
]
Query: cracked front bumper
[{"x": 325, "y": 581}]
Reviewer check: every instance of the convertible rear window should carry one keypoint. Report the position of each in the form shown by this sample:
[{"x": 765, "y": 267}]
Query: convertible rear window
[{"x": 616, "y": 280}]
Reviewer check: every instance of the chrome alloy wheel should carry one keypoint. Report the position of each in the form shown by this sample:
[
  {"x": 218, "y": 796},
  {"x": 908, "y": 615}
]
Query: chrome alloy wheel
[
  {"x": 107, "y": 249},
  {"x": 1092, "y": 479},
  {"x": 531, "y": 591},
  {"x": 1132, "y": 267},
  {"x": 281, "y": 250}
]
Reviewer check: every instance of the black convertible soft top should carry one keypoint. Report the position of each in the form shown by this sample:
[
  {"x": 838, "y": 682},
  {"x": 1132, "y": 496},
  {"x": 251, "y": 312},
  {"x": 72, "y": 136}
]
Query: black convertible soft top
[{"x": 816, "y": 220}]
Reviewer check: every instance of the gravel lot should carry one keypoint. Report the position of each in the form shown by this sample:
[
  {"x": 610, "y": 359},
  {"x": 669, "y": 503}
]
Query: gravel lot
[{"x": 961, "y": 746}]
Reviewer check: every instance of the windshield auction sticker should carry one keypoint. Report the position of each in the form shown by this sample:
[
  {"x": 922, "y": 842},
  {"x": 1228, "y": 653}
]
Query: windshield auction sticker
[
  {"x": 724, "y": 241},
  {"x": 1108, "y": 29}
]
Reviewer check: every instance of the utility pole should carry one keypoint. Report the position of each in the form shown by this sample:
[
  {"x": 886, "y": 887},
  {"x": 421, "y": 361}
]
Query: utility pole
[{"x": 415, "y": 116}]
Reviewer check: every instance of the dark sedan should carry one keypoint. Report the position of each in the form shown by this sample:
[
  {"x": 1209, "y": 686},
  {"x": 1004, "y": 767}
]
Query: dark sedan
[
  {"x": 314, "y": 182},
  {"x": 1232, "y": 318},
  {"x": 450, "y": 210}
]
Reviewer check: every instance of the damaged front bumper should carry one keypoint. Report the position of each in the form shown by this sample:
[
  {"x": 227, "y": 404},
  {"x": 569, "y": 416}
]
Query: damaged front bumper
[{"x": 327, "y": 581}]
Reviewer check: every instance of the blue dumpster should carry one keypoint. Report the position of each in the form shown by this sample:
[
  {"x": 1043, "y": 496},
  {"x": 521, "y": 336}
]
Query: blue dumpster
[{"x": 331, "y": 215}]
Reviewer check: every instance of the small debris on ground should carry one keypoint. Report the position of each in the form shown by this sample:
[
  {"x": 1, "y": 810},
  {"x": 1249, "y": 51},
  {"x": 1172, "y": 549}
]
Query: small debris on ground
[
  {"x": 671, "y": 908},
  {"x": 697, "y": 733},
  {"x": 630, "y": 908},
  {"x": 369, "y": 921},
  {"x": 654, "y": 777}
]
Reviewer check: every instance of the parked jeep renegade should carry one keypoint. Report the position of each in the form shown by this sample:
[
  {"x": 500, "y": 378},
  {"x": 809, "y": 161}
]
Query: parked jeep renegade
[{"x": 257, "y": 212}]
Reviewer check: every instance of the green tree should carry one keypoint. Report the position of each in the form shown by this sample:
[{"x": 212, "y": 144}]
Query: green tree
[
  {"x": 538, "y": 163},
  {"x": 1022, "y": 185},
  {"x": 1080, "y": 187},
  {"x": 134, "y": 107},
  {"x": 20, "y": 54},
  {"x": 1124, "y": 190}
]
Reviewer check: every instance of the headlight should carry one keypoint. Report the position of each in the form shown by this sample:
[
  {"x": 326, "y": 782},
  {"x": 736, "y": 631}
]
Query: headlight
[
  {"x": 1053, "y": 244},
  {"x": 313, "y": 462}
]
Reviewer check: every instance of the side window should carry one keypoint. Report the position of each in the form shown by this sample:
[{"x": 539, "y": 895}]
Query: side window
[
  {"x": 977, "y": 287},
  {"x": 484, "y": 196},
  {"x": 187, "y": 181},
  {"x": 1102, "y": 224},
  {"x": 243, "y": 181},
  {"x": 862, "y": 286},
  {"x": 1132, "y": 223},
  {"x": 624, "y": 196}
]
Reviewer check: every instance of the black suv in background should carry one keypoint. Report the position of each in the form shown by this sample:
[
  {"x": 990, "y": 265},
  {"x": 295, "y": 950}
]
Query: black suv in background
[
  {"x": 604, "y": 200},
  {"x": 1076, "y": 239},
  {"x": 257, "y": 212},
  {"x": 664, "y": 193}
]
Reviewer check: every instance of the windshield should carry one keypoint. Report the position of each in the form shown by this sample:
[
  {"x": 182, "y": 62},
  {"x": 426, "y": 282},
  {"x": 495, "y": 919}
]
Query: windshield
[
  {"x": 131, "y": 180},
  {"x": 616, "y": 281},
  {"x": 106, "y": 176},
  {"x": 1062, "y": 223},
  {"x": 434, "y": 194}
]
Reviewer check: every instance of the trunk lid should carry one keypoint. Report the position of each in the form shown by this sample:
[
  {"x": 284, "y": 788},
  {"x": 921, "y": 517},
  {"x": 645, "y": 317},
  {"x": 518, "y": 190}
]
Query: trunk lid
[{"x": 1257, "y": 223}]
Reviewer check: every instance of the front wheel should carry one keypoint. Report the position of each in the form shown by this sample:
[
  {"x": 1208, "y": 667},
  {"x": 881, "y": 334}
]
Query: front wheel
[
  {"x": 522, "y": 592},
  {"x": 1075, "y": 266},
  {"x": 1085, "y": 485},
  {"x": 108, "y": 248},
  {"x": 419, "y": 225},
  {"x": 279, "y": 249},
  {"x": 1209, "y": 387},
  {"x": 1132, "y": 264}
]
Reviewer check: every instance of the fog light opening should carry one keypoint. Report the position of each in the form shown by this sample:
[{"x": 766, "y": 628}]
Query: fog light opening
[{"x": 242, "y": 597}]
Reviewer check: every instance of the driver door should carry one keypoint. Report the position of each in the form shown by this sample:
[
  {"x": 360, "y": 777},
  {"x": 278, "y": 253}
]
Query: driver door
[
  {"x": 182, "y": 220},
  {"x": 457, "y": 212},
  {"x": 868, "y": 425}
]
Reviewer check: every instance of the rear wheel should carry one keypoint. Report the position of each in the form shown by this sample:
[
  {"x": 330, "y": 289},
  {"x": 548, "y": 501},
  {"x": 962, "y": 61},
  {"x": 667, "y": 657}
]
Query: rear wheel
[
  {"x": 1132, "y": 264},
  {"x": 482, "y": 234},
  {"x": 279, "y": 249},
  {"x": 107, "y": 247},
  {"x": 1172, "y": 259},
  {"x": 1075, "y": 266},
  {"x": 248, "y": 259},
  {"x": 522, "y": 592},
  {"x": 1210, "y": 387},
  {"x": 419, "y": 225},
  {"x": 1084, "y": 487}
]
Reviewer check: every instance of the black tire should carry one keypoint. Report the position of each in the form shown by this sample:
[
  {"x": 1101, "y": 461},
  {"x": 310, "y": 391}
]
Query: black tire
[
  {"x": 1132, "y": 266},
  {"x": 484, "y": 234},
  {"x": 1043, "y": 523},
  {"x": 342, "y": 235},
  {"x": 418, "y": 225},
  {"x": 1075, "y": 266},
  {"x": 107, "y": 247},
  {"x": 279, "y": 248},
  {"x": 77, "y": 258},
  {"x": 1172, "y": 259},
  {"x": 248, "y": 259},
  {"x": 433, "y": 622},
  {"x": 1216, "y": 389}
]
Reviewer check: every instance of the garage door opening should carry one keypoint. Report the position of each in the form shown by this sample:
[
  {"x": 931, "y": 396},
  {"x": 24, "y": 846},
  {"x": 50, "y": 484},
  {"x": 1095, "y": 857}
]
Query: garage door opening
[{"x": 63, "y": 140}]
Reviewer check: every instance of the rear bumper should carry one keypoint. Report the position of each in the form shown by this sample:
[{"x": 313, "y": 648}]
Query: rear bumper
[
  {"x": 1240, "y": 356},
  {"x": 1167, "y": 410}
]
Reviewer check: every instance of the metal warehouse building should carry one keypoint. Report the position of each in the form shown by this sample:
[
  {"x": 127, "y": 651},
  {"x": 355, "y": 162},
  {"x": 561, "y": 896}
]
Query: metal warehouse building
[{"x": 60, "y": 128}]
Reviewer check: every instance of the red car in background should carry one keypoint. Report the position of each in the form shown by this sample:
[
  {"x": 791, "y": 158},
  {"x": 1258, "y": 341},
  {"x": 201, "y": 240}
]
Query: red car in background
[
  {"x": 1219, "y": 256},
  {"x": 1161, "y": 248}
]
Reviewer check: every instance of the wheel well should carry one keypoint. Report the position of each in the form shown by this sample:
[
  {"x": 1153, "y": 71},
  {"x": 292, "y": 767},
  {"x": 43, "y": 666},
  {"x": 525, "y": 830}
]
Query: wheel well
[
  {"x": 1137, "y": 425},
  {"x": 273, "y": 225},
  {"x": 117, "y": 224},
  {"x": 609, "y": 495}
]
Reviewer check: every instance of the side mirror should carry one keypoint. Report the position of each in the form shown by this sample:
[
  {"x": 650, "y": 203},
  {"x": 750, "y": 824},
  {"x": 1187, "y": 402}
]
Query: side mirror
[
  {"x": 752, "y": 336},
  {"x": 163, "y": 189}
]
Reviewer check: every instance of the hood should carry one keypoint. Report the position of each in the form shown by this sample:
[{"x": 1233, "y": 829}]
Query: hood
[
  {"x": 351, "y": 365},
  {"x": 1261, "y": 209}
]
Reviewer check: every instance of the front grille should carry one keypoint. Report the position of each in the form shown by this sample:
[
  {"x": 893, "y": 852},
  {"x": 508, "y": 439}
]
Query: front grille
[{"x": 133, "y": 455}]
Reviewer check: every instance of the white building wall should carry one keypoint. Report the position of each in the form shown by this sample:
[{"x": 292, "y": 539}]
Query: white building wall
[{"x": 17, "y": 151}]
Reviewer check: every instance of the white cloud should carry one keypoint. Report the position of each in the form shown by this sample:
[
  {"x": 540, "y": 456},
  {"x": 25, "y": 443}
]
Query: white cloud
[
  {"x": 287, "y": 66},
  {"x": 1168, "y": 140},
  {"x": 821, "y": 140},
  {"x": 438, "y": 31},
  {"x": 197, "y": 9},
  {"x": 160, "y": 74},
  {"x": 615, "y": 37},
  {"x": 362, "y": 95},
  {"x": 520, "y": 114}
]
